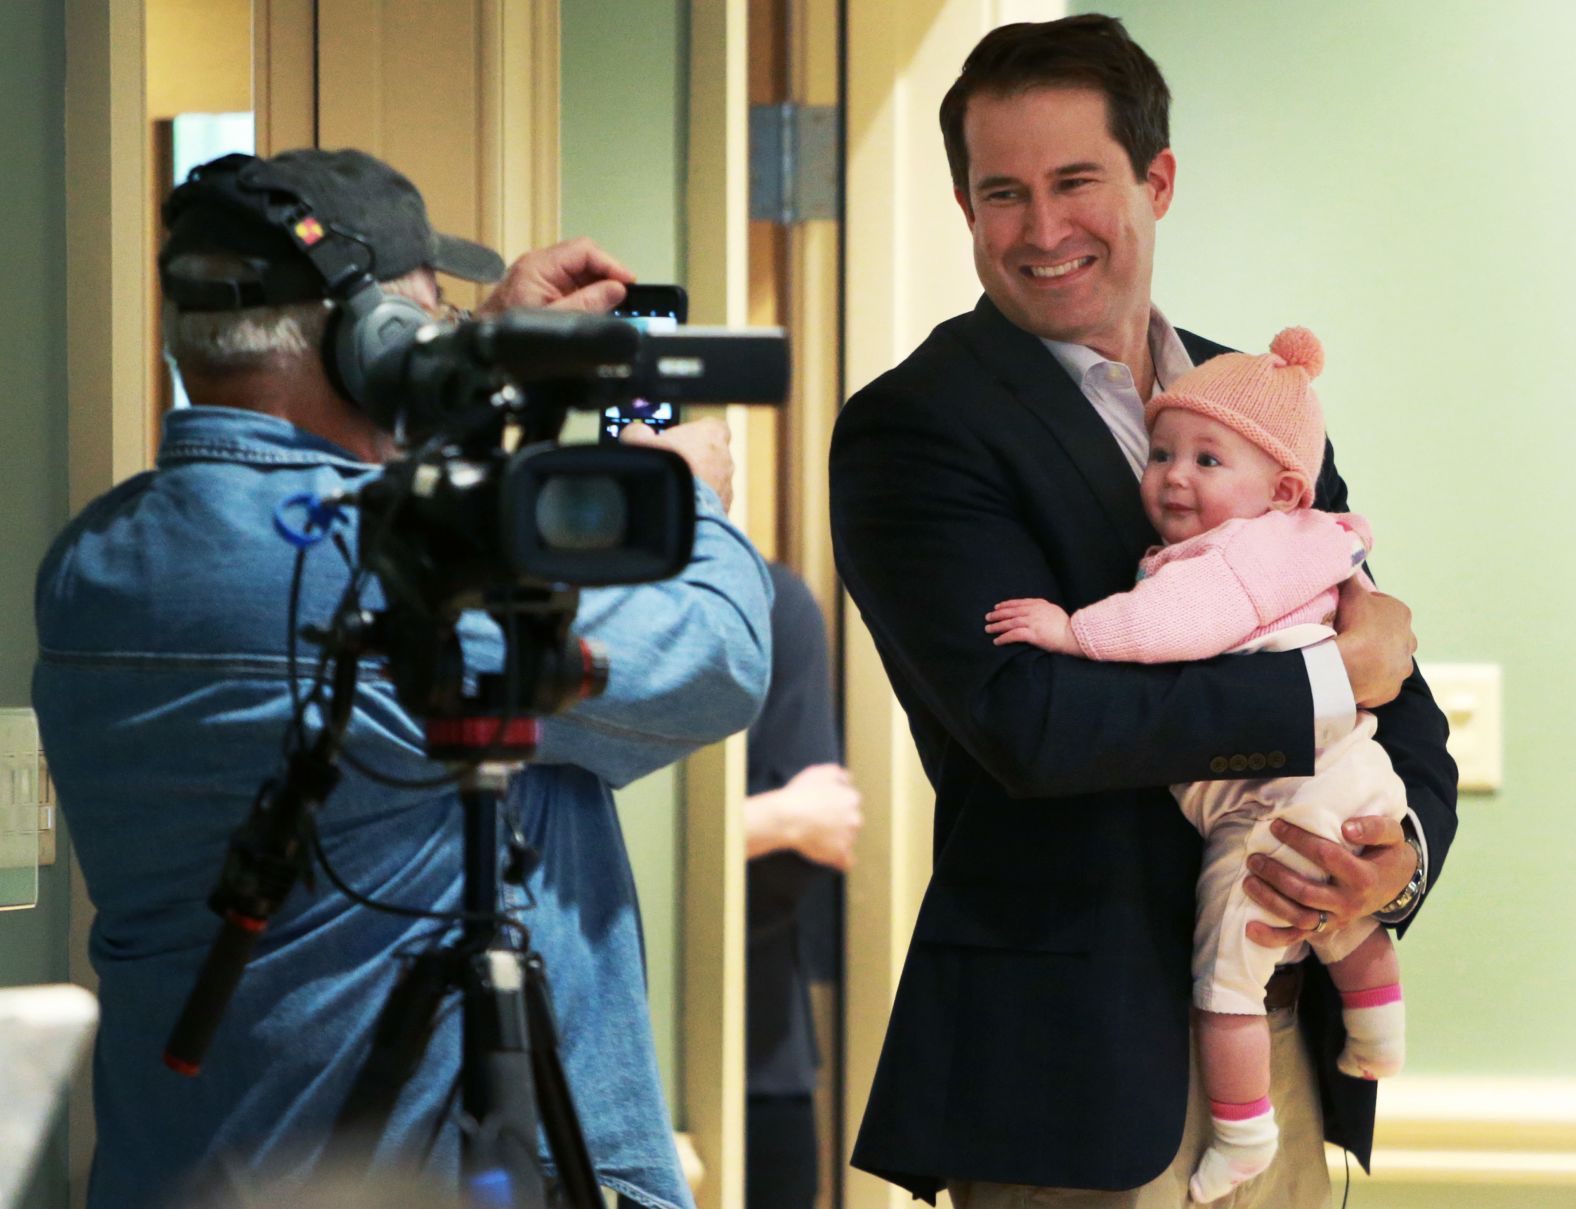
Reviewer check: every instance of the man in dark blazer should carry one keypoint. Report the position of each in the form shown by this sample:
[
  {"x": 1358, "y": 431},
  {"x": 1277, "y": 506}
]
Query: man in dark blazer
[{"x": 1040, "y": 1034}]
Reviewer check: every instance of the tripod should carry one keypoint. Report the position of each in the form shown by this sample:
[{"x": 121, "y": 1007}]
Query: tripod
[{"x": 511, "y": 1075}]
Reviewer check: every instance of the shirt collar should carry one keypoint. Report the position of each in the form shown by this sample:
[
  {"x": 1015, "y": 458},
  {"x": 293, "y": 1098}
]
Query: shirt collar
[
  {"x": 1165, "y": 350},
  {"x": 232, "y": 434}
]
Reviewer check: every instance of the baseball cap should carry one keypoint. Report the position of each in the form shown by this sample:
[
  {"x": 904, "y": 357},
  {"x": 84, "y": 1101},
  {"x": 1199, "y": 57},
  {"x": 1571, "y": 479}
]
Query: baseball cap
[{"x": 249, "y": 206}]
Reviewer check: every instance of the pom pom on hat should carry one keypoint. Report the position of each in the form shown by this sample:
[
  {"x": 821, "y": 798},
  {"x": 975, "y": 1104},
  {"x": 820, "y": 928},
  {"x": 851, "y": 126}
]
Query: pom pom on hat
[{"x": 1299, "y": 346}]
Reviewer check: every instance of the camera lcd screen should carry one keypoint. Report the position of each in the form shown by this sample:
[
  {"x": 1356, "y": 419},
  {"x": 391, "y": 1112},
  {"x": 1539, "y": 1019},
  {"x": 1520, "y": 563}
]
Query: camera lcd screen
[{"x": 652, "y": 308}]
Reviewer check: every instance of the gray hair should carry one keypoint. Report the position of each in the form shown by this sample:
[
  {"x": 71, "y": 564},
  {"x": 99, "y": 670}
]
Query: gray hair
[{"x": 215, "y": 343}]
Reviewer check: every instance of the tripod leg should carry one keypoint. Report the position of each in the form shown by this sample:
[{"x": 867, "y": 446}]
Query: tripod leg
[
  {"x": 511, "y": 1063},
  {"x": 565, "y": 1141},
  {"x": 398, "y": 1042},
  {"x": 497, "y": 1088}
]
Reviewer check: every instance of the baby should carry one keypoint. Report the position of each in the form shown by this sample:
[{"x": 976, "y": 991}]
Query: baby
[{"x": 1247, "y": 565}]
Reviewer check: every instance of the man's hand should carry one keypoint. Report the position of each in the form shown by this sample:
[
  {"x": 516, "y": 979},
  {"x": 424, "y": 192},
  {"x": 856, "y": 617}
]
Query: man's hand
[
  {"x": 1373, "y": 632},
  {"x": 1039, "y": 622},
  {"x": 575, "y": 275},
  {"x": 1360, "y": 882},
  {"x": 701, "y": 443},
  {"x": 816, "y": 815}
]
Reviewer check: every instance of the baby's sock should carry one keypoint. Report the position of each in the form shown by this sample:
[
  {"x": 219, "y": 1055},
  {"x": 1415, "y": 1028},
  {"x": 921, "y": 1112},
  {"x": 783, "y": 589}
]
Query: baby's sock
[
  {"x": 1243, "y": 1146},
  {"x": 1375, "y": 1032}
]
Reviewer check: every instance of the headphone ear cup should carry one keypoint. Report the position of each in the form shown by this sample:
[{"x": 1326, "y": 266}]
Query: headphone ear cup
[
  {"x": 360, "y": 330},
  {"x": 336, "y": 318}
]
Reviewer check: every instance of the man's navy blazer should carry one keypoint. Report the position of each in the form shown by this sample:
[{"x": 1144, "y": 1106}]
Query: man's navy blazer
[{"x": 1040, "y": 1031}]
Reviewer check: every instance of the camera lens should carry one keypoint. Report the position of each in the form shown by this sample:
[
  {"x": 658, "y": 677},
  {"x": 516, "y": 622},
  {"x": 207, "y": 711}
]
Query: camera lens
[{"x": 582, "y": 512}]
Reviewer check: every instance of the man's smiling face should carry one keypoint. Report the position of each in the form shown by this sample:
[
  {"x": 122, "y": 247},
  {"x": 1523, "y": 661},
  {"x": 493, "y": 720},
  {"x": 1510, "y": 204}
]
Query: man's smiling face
[{"x": 1064, "y": 236}]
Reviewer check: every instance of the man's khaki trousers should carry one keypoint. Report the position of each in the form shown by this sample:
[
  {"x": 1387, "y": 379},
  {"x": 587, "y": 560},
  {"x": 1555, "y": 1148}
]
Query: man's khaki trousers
[{"x": 1297, "y": 1179}]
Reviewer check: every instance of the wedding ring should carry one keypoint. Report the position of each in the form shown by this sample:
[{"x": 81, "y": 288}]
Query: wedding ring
[{"x": 1324, "y": 919}]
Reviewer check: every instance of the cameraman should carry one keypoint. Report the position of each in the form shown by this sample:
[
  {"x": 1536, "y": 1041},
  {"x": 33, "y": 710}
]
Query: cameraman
[{"x": 163, "y": 699}]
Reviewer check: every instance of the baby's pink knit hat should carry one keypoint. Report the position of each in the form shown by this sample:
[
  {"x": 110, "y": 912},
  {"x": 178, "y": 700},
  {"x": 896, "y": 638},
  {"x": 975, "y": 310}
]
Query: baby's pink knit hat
[{"x": 1268, "y": 398}]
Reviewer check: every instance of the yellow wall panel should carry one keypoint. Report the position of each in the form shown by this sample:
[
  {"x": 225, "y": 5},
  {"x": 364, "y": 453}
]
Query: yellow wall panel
[
  {"x": 199, "y": 56},
  {"x": 461, "y": 96}
]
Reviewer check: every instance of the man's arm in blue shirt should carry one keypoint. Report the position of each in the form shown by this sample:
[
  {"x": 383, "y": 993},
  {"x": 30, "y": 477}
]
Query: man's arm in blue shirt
[{"x": 689, "y": 658}]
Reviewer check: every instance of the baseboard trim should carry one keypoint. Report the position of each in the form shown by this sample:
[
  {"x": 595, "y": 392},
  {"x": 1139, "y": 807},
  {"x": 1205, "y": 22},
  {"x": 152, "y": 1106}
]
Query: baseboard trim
[{"x": 1474, "y": 1130}]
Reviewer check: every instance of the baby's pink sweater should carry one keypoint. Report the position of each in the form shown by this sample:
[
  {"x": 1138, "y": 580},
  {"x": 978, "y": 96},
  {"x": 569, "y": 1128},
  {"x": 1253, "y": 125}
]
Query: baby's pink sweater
[{"x": 1241, "y": 580}]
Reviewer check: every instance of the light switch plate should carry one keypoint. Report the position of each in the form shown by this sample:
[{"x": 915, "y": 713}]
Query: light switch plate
[
  {"x": 1471, "y": 698},
  {"x": 25, "y": 788},
  {"x": 18, "y": 810}
]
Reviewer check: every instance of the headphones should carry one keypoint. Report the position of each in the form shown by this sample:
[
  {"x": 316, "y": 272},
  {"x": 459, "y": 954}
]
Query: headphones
[{"x": 249, "y": 203}]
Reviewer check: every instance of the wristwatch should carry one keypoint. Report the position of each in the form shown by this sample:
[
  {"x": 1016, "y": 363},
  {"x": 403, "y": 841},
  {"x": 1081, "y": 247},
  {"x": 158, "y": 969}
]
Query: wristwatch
[{"x": 1397, "y": 908}]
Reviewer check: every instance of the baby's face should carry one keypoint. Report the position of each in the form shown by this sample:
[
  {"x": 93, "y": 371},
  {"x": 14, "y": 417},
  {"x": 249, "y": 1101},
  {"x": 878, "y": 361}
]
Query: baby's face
[{"x": 1201, "y": 474}]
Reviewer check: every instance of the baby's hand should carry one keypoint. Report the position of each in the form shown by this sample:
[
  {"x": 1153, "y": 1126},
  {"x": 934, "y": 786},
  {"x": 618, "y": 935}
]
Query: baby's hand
[{"x": 1035, "y": 621}]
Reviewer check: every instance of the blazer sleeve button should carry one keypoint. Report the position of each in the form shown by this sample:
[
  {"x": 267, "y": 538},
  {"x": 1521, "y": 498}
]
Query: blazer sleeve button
[
  {"x": 1239, "y": 763},
  {"x": 1277, "y": 759},
  {"x": 1257, "y": 761},
  {"x": 1218, "y": 764}
]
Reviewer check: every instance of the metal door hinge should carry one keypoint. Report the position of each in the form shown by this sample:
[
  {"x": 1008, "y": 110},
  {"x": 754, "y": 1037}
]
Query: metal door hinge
[{"x": 795, "y": 162}]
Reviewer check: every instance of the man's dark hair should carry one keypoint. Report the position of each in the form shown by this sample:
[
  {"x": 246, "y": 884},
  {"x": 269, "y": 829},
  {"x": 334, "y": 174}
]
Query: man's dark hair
[{"x": 1087, "y": 51}]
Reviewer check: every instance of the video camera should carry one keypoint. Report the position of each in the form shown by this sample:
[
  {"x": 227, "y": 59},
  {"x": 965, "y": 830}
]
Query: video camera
[{"x": 488, "y": 511}]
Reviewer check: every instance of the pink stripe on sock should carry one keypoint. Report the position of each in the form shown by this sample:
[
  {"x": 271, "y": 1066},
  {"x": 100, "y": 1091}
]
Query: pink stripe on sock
[
  {"x": 1222, "y": 1111},
  {"x": 1373, "y": 997}
]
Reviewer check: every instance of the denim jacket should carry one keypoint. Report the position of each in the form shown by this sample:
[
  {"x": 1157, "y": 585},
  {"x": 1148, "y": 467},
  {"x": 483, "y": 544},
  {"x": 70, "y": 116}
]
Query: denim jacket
[{"x": 162, "y": 697}]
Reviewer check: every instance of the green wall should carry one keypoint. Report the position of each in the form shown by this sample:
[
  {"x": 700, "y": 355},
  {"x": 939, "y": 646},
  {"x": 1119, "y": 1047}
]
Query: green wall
[
  {"x": 625, "y": 81},
  {"x": 32, "y": 430},
  {"x": 1399, "y": 177},
  {"x": 625, "y": 84}
]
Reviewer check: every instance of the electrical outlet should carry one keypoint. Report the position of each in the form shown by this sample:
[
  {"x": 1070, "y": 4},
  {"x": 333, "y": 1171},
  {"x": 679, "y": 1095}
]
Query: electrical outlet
[{"x": 1470, "y": 696}]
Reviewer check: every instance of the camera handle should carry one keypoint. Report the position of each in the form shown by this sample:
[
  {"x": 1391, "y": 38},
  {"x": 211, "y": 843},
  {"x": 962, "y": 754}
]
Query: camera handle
[{"x": 511, "y": 1075}]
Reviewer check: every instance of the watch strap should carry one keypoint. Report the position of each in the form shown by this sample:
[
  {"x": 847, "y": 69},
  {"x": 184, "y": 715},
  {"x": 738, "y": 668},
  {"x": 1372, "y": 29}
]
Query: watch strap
[{"x": 1404, "y": 903}]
